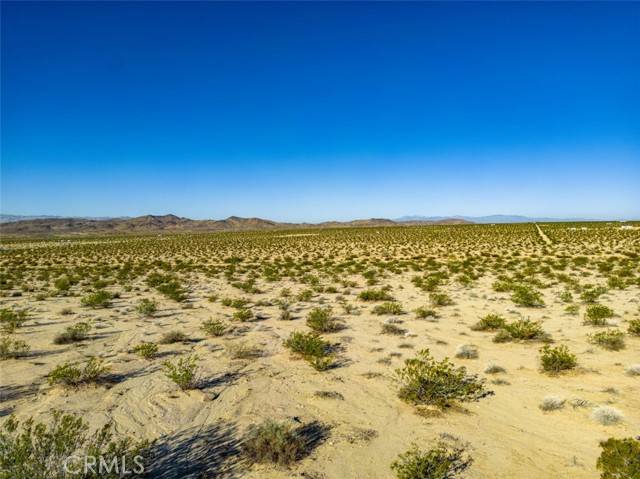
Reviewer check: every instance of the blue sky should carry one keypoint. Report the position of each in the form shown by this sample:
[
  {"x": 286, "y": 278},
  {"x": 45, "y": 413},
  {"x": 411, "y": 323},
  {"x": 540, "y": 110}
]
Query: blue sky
[{"x": 302, "y": 111}]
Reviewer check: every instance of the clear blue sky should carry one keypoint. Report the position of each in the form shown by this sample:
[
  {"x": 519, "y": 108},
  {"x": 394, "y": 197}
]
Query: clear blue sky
[{"x": 321, "y": 111}]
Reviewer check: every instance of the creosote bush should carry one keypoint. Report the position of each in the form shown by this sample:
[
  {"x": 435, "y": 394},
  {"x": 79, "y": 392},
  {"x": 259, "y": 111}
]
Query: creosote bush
[
  {"x": 523, "y": 295},
  {"x": 30, "y": 450},
  {"x": 427, "y": 381},
  {"x": 375, "y": 295},
  {"x": 387, "y": 308},
  {"x": 99, "y": 299},
  {"x": 597, "y": 315},
  {"x": 146, "y": 307},
  {"x": 619, "y": 459},
  {"x": 426, "y": 313},
  {"x": 440, "y": 299},
  {"x": 243, "y": 315},
  {"x": 556, "y": 359},
  {"x": 215, "y": 327},
  {"x": 13, "y": 348},
  {"x": 634, "y": 327},
  {"x": 446, "y": 460},
  {"x": 183, "y": 371},
  {"x": 11, "y": 319},
  {"x": 490, "y": 322},
  {"x": 611, "y": 339},
  {"x": 312, "y": 348},
  {"x": 321, "y": 320},
  {"x": 523, "y": 330},
  {"x": 146, "y": 350},
  {"x": 273, "y": 442},
  {"x": 73, "y": 334},
  {"x": 69, "y": 374}
]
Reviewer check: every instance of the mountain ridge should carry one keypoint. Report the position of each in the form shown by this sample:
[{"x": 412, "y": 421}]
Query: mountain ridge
[{"x": 174, "y": 223}]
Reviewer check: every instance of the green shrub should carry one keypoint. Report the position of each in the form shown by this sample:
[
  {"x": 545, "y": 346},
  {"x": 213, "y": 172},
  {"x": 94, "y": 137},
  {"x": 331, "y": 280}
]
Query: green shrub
[
  {"x": 146, "y": 307},
  {"x": 424, "y": 313},
  {"x": 31, "y": 450},
  {"x": 243, "y": 315},
  {"x": 167, "y": 285},
  {"x": 273, "y": 442},
  {"x": 566, "y": 296},
  {"x": 634, "y": 327},
  {"x": 62, "y": 284},
  {"x": 321, "y": 320},
  {"x": 305, "y": 295},
  {"x": 375, "y": 295},
  {"x": 99, "y": 299},
  {"x": 523, "y": 295},
  {"x": 490, "y": 322},
  {"x": 572, "y": 309},
  {"x": 440, "y": 299},
  {"x": 387, "y": 308},
  {"x": 183, "y": 371},
  {"x": 525, "y": 330},
  {"x": 237, "y": 303},
  {"x": 146, "y": 350},
  {"x": 11, "y": 319},
  {"x": 215, "y": 327},
  {"x": 69, "y": 374},
  {"x": 597, "y": 315},
  {"x": 307, "y": 344},
  {"x": 443, "y": 461},
  {"x": 557, "y": 359},
  {"x": 612, "y": 339},
  {"x": 619, "y": 459},
  {"x": 591, "y": 294},
  {"x": 427, "y": 381},
  {"x": 73, "y": 334},
  {"x": 12, "y": 348}
]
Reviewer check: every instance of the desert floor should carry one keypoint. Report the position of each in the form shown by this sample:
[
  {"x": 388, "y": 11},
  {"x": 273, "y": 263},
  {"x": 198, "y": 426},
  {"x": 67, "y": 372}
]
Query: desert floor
[{"x": 361, "y": 428}]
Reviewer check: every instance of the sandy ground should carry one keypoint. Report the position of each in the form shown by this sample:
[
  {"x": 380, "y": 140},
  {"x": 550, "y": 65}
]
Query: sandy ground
[{"x": 369, "y": 426}]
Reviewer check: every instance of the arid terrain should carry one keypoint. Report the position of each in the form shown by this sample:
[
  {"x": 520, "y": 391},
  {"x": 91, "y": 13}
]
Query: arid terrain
[{"x": 501, "y": 301}]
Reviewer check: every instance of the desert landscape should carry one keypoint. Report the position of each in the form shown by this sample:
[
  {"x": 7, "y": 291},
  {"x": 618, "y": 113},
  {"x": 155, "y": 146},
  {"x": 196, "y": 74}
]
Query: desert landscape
[{"x": 330, "y": 352}]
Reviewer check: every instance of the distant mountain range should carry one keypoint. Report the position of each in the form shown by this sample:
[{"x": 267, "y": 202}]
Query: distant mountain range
[
  {"x": 57, "y": 225},
  {"x": 51, "y": 225},
  {"x": 492, "y": 219}
]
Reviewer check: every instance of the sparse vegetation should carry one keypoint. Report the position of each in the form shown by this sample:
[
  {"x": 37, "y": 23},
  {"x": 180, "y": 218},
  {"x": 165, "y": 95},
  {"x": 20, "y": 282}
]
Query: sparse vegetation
[
  {"x": 215, "y": 327},
  {"x": 427, "y": 381},
  {"x": 321, "y": 320},
  {"x": 147, "y": 307},
  {"x": 183, "y": 371},
  {"x": 557, "y": 359},
  {"x": 146, "y": 350},
  {"x": 73, "y": 334},
  {"x": 71, "y": 374},
  {"x": 12, "y": 348},
  {"x": 40, "y": 450},
  {"x": 611, "y": 339},
  {"x": 99, "y": 299},
  {"x": 597, "y": 315},
  {"x": 619, "y": 459},
  {"x": 273, "y": 442},
  {"x": 446, "y": 460}
]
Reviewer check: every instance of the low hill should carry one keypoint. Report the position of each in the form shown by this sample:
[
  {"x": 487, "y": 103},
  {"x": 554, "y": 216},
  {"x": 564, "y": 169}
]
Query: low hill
[{"x": 173, "y": 223}]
